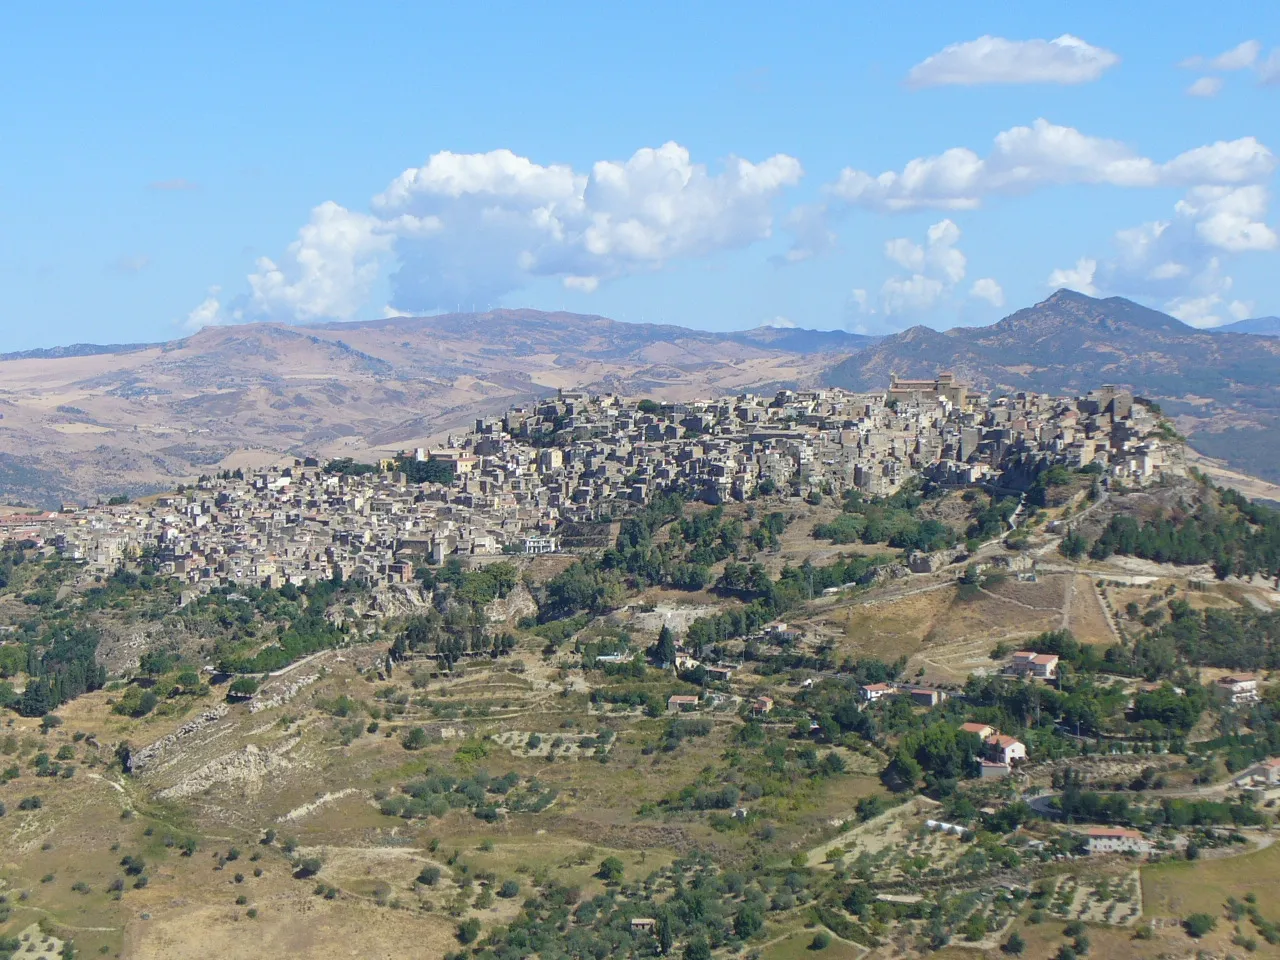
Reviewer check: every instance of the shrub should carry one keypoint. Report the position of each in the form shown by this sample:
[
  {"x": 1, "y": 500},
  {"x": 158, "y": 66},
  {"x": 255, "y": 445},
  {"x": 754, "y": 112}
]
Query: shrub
[
  {"x": 821, "y": 940},
  {"x": 468, "y": 931},
  {"x": 510, "y": 888},
  {"x": 1198, "y": 924},
  {"x": 307, "y": 867},
  {"x": 430, "y": 875},
  {"x": 133, "y": 865}
]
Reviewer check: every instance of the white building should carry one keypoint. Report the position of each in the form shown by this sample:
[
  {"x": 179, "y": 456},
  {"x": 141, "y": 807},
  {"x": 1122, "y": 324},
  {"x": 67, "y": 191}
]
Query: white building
[
  {"x": 1238, "y": 688},
  {"x": 1117, "y": 840}
]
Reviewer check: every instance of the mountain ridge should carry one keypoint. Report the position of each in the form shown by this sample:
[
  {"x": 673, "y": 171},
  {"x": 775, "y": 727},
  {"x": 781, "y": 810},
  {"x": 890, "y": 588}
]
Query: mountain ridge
[{"x": 1258, "y": 326}]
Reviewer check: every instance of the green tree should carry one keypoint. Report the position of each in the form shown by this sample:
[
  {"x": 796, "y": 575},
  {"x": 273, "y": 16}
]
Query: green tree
[
  {"x": 415, "y": 739},
  {"x": 243, "y": 687},
  {"x": 665, "y": 937},
  {"x": 664, "y": 651},
  {"x": 611, "y": 870},
  {"x": 748, "y": 922},
  {"x": 1014, "y": 945}
]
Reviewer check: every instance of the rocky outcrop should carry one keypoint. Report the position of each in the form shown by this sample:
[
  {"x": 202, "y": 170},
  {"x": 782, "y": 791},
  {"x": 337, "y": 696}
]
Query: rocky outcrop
[
  {"x": 249, "y": 767},
  {"x": 153, "y": 756},
  {"x": 516, "y": 604},
  {"x": 277, "y": 697}
]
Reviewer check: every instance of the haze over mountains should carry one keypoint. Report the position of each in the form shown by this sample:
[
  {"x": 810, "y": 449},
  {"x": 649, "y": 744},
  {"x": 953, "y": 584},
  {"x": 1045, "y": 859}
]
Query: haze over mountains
[{"x": 87, "y": 421}]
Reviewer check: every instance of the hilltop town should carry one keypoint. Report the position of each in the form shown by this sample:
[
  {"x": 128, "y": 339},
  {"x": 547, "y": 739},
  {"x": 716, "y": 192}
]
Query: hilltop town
[{"x": 542, "y": 478}]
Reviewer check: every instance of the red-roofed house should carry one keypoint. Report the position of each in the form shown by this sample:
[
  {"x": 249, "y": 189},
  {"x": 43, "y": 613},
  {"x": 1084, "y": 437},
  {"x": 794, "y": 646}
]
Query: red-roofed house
[
  {"x": 1028, "y": 663},
  {"x": 926, "y": 696},
  {"x": 980, "y": 730},
  {"x": 1006, "y": 749}
]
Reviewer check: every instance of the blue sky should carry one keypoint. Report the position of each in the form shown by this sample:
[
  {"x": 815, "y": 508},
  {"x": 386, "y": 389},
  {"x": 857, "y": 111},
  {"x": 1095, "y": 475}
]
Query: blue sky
[{"x": 152, "y": 157}]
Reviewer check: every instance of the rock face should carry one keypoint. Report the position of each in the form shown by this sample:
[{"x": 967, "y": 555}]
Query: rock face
[
  {"x": 516, "y": 604},
  {"x": 248, "y": 768},
  {"x": 152, "y": 757},
  {"x": 279, "y": 696}
]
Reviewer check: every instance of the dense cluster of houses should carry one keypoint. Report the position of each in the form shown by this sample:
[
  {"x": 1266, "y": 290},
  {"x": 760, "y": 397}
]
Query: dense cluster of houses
[{"x": 540, "y": 477}]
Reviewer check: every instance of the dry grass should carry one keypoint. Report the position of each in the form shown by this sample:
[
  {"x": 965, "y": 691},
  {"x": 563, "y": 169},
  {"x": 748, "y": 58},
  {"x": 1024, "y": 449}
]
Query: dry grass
[{"x": 1177, "y": 888}]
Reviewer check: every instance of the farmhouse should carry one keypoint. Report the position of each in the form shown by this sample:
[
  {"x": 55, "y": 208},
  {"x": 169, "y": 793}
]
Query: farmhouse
[
  {"x": 871, "y": 692},
  {"x": 1238, "y": 688},
  {"x": 681, "y": 703},
  {"x": 1028, "y": 663},
  {"x": 1006, "y": 749},
  {"x": 1264, "y": 774},
  {"x": 925, "y": 696}
]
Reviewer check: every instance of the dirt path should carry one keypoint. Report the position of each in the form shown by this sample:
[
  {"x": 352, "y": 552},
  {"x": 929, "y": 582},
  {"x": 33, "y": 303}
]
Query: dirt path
[
  {"x": 1016, "y": 603},
  {"x": 1106, "y": 611}
]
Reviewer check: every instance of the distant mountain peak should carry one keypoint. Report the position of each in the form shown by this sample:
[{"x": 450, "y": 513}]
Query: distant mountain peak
[{"x": 1259, "y": 326}]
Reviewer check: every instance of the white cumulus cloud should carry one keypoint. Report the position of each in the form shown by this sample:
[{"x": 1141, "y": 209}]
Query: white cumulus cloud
[
  {"x": 208, "y": 312},
  {"x": 328, "y": 272},
  {"x": 1064, "y": 60},
  {"x": 467, "y": 228},
  {"x": 936, "y": 267},
  {"x": 1045, "y": 154},
  {"x": 1078, "y": 278},
  {"x": 986, "y": 288},
  {"x": 1182, "y": 262}
]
